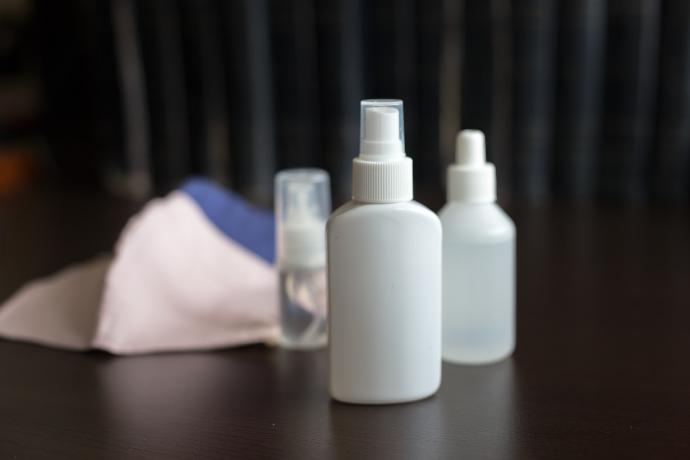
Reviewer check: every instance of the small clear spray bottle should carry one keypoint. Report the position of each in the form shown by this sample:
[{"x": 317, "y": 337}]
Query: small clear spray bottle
[{"x": 302, "y": 206}]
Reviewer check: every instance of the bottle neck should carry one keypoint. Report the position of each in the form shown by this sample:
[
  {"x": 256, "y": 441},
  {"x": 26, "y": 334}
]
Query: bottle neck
[
  {"x": 472, "y": 185},
  {"x": 382, "y": 181}
]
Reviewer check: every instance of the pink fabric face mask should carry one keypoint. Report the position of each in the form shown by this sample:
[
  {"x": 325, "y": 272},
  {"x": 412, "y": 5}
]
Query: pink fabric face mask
[{"x": 176, "y": 282}]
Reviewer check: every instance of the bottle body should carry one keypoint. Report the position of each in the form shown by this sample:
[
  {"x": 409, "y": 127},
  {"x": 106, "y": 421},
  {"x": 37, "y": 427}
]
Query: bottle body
[
  {"x": 384, "y": 281},
  {"x": 303, "y": 308},
  {"x": 478, "y": 283}
]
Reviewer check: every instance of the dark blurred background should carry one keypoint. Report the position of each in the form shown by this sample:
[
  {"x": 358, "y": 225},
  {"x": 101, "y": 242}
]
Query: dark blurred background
[{"x": 581, "y": 100}]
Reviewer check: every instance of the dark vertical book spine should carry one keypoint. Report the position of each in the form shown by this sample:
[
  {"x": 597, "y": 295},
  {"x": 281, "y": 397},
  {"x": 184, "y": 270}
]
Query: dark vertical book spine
[
  {"x": 159, "y": 25},
  {"x": 629, "y": 98},
  {"x": 295, "y": 82},
  {"x": 500, "y": 142},
  {"x": 391, "y": 34},
  {"x": 341, "y": 86},
  {"x": 207, "y": 114},
  {"x": 534, "y": 35},
  {"x": 406, "y": 72},
  {"x": 246, "y": 24},
  {"x": 136, "y": 179},
  {"x": 98, "y": 42},
  {"x": 672, "y": 160},
  {"x": 81, "y": 110},
  {"x": 449, "y": 89},
  {"x": 486, "y": 80},
  {"x": 477, "y": 91},
  {"x": 581, "y": 45},
  {"x": 428, "y": 157}
]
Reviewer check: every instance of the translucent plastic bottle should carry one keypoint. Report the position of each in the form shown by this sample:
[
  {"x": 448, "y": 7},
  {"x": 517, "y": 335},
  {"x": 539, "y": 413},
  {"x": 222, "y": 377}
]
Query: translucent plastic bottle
[
  {"x": 384, "y": 274},
  {"x": 478, "y": 261},
  {"x": 303, "y": 203}
]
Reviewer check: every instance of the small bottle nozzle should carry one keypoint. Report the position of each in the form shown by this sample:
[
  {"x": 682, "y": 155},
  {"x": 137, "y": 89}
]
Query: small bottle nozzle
[
  {"x": 303, "y": 203},
  {"x": 381, "y": 125},
  {"x": 471, "y": 179},
  {"x": 382, "y": 132},
  {"x": 470, "y": 149}
]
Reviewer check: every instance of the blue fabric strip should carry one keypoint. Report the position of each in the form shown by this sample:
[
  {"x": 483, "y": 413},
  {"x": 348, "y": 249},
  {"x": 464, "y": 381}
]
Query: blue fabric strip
[{"x": 248, "y": 225}]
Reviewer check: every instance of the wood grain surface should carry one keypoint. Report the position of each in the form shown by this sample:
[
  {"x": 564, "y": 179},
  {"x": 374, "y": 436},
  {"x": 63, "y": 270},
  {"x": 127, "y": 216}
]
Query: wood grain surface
[{"x": 602, "y": 367}]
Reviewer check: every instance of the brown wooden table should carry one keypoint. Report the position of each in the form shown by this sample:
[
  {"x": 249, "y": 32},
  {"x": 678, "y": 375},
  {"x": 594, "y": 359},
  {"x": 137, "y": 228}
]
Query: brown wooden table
[{"x": 602, "y": 368}]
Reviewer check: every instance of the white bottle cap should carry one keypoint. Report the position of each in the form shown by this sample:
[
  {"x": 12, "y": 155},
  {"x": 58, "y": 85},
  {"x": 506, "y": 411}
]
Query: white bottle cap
[
  {"x": 302, "y": 206},
  {"x": 471, "y": 179},
  {"x": 382, "y": 173}
]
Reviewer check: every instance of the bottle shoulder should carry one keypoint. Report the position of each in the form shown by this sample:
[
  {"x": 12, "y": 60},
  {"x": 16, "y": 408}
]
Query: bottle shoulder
[
  {"x": 476, "y": 221},
  {"x": 407, "y": 210}
]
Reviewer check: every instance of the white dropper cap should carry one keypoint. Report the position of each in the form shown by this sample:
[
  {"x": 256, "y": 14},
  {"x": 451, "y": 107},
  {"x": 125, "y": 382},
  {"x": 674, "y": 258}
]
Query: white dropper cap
[
  {"x": 471, "y": 179},
  {"x": 303, "y": 203},
  {"x": 382, "y": 173}
]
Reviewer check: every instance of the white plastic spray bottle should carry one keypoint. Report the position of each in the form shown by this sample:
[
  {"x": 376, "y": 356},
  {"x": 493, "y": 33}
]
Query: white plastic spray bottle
[
  {"x": 478, "y": 260},
  {"x": 384, "y": 274}
]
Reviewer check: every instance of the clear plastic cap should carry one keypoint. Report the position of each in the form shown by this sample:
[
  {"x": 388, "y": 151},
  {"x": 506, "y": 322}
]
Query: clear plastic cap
[
  {"x": 382, "y": 129},
  {"x": 302, "y": 206}
]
